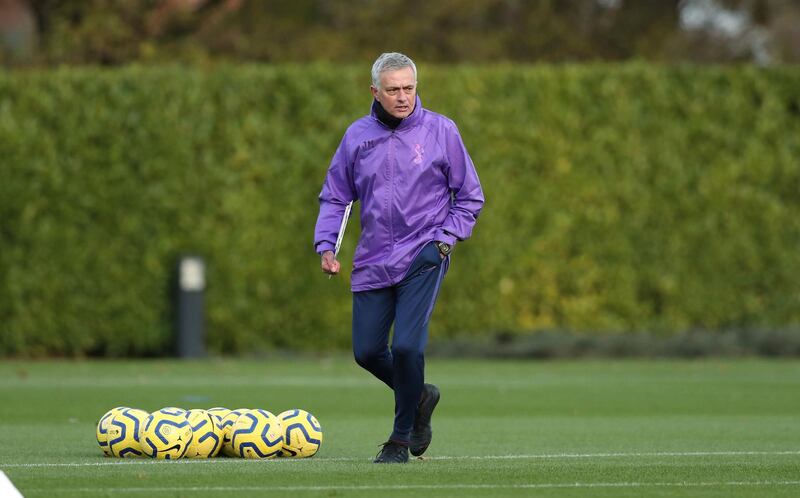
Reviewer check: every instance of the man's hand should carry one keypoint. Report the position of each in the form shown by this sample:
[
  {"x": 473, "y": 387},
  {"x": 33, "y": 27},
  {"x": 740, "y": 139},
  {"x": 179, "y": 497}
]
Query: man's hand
[{"x": 329, "y": 263}]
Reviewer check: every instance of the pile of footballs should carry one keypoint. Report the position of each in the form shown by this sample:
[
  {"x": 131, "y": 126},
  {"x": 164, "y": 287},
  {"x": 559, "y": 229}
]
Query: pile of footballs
[{"x": 171, "y": 433}]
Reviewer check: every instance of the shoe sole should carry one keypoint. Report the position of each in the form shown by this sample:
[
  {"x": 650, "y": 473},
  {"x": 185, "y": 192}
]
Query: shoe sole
[
  {"x": 419, "y": 450},
  {"x": 389, "y": 462}
]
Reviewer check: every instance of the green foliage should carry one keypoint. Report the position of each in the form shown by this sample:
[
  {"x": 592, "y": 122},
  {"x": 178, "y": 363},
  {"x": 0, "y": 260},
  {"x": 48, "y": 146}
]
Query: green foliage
[
  {"x": 118, "y": 32},
  {"x": 124, "y": 31},
  {"x": 619, "y": 198}
]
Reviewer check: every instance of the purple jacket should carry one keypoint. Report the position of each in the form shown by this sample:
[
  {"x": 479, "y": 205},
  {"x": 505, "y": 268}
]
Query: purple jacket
[{"x": 416, "y": 184}]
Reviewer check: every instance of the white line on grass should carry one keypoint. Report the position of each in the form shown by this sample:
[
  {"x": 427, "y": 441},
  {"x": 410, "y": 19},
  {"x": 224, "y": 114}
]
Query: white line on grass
[
  {"x": 7, "y": 489},
  {"x": 219, "y": 489},
  {"x": 621, "y": 455},
  {"x": 553, "y": 456}
]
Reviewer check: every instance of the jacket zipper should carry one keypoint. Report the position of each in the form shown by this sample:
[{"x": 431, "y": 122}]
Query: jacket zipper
[{"x": 392, "y": 161}]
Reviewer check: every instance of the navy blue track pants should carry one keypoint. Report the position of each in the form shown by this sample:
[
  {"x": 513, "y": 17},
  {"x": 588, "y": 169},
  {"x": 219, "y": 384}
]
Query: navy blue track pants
[{"x": 409, "y": 305}]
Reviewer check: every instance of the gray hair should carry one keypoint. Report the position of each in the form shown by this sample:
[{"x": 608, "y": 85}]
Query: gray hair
[{"x": 390, "y": 61}]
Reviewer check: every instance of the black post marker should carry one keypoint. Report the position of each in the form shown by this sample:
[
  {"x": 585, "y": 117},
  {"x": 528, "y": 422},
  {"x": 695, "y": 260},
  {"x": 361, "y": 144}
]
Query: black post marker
[{"x": 190, "y": 324}]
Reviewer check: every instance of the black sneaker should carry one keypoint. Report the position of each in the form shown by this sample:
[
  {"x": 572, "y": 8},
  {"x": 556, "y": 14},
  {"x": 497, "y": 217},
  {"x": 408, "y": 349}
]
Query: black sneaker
[
  {"x": 422, "y": 433},
  {"x": 392, "y": 452}
]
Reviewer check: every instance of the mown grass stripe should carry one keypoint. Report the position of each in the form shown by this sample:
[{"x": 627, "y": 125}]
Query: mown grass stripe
[
  {"x": 552, "y": 456},
  {"x": 411, "y": 487}
]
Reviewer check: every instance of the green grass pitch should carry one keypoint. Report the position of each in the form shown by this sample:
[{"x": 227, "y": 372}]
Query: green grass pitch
[{"x": 721, "y": 428}]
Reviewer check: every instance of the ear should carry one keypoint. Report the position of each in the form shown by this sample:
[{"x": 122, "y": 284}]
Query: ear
[{"x": 374, "y": 92}]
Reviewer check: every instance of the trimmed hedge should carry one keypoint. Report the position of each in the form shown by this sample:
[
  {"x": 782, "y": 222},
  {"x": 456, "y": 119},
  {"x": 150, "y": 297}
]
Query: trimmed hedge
[{"x": 619, "y": 198}]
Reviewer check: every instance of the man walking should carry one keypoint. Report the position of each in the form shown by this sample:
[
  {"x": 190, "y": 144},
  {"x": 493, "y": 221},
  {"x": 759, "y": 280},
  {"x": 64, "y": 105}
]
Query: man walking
[{"x": 419, "y": 195}]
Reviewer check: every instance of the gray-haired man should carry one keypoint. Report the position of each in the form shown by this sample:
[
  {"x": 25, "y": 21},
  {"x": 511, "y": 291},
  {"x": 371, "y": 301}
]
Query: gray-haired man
[{"x": 419, "y": 195}]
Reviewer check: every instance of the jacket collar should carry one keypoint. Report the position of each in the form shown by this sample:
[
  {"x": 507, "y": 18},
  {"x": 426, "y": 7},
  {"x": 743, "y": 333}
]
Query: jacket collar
[
  {"x": 412, "y": 120},
  {"x": 384, "y": 117}
]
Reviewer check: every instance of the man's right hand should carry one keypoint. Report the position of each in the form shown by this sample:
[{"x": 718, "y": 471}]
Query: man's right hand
[{"x": 329, "y": 263}]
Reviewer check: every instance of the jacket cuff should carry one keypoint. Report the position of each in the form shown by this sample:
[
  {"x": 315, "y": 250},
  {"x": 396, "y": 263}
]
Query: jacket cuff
[
  {"x": 443, "y": 236},
  {"x": 324, "y": 246}
]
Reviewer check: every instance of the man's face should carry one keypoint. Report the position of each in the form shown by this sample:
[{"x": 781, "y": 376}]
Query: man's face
[{"x": 398, "y": 92}]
